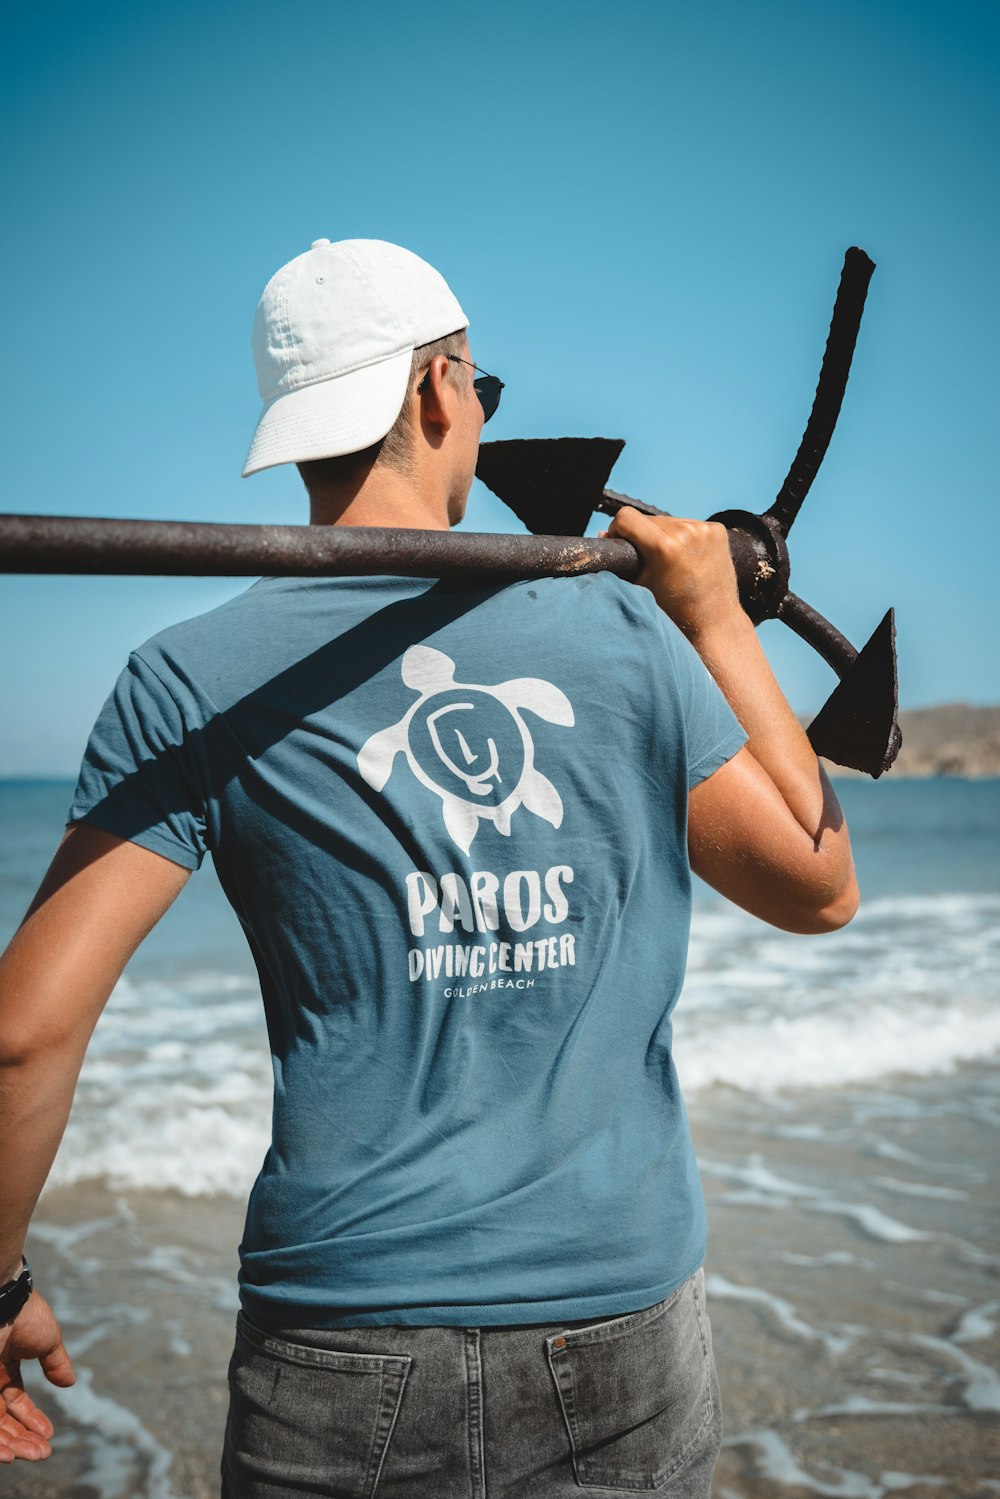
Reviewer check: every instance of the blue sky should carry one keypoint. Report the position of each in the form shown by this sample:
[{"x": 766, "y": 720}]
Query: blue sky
[{"x": 644, "y": 210}]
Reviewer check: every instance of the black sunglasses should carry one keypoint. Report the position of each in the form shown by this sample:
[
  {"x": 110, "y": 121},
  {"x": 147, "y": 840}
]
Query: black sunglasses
[{"x": 487, "y": 387}]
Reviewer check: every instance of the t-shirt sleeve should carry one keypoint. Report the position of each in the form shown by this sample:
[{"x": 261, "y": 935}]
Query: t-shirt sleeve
[
  {"x": 137, "y": 780},
  {"x": 713, "y": 733}
]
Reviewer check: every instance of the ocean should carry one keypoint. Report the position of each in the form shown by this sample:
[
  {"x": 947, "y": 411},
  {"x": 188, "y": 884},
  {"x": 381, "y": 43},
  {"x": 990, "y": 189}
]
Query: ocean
[{"x": 844, "y": 1093}]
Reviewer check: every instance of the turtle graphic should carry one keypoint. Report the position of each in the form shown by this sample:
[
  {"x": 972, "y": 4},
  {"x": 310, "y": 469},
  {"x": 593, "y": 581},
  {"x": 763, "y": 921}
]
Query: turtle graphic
[{"x": 470, "y": 745}]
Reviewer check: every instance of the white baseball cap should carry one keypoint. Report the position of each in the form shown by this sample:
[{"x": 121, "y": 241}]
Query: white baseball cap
[{"x": 333, "y": 338}]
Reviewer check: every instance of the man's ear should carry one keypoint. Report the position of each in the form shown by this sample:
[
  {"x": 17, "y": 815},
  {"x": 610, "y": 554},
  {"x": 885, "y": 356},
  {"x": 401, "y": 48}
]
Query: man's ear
[{"x": 434, "y": 391}]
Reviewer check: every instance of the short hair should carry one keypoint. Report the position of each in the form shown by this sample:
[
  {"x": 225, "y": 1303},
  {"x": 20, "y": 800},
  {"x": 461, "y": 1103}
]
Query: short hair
[{"x": 395, "y": 449}]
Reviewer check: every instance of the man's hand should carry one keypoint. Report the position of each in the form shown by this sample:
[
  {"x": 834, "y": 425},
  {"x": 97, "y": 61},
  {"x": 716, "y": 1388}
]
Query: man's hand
[
  {"x": 686, "y": 565},
  {"x": 24, "y": 1429}
]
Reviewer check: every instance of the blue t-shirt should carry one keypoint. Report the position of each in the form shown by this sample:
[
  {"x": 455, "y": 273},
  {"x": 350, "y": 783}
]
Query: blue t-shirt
[{"x": 452, "y": 821}]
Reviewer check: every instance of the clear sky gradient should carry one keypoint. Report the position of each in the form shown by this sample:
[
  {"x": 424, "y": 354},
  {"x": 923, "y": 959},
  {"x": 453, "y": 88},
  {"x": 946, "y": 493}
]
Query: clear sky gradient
[{"x": 644, "y": 210}]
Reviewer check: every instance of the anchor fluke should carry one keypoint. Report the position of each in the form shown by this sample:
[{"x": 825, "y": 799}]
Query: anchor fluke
[
  {"x": 553, "y": 485},
  {"x": 856, "y": 726}
]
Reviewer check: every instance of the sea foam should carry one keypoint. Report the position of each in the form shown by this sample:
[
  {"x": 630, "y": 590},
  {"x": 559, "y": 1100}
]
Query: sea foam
[{"x": 908, "y": 987}]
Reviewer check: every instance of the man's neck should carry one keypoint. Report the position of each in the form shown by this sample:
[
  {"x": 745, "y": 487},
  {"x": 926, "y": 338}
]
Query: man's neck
[{"x": 386, "y": 498}]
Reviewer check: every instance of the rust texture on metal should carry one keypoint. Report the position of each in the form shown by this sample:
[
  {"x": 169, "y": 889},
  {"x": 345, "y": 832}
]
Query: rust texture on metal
[
  {"x": 78, "y": 544},
  {"x": 836, "y": 650},
  {"x": 760, "y": 558}
]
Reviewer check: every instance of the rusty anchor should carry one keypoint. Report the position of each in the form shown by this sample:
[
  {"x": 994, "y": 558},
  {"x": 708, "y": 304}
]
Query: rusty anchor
[{"x": 554, "y": 485}]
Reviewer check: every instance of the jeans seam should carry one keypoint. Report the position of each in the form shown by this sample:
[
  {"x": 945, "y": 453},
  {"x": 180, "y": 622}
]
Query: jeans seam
[
  {"x": 474, "y": 1392},
  {"x": 619, "y": 1327},
  {"x": 701, "y": 1322},
  {"x": 388, "y": 1414},
  {"x": 287, "y": 1350},
  {"x": 566, "y": 1391}
]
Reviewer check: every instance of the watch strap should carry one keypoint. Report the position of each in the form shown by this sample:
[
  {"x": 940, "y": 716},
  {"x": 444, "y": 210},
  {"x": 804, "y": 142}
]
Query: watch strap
[{"x": 15, "y": 1293}]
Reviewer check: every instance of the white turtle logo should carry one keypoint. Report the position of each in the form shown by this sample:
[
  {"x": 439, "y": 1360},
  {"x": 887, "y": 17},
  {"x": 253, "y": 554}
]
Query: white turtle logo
[{"x": 436, "y": 747}]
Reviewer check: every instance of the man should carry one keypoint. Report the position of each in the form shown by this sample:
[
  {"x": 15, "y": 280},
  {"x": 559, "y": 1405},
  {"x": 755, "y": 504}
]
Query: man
[{"x": 455, "y": 821}]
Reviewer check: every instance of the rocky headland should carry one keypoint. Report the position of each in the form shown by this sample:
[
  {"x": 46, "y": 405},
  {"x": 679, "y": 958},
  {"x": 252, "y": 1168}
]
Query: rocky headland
[{"x": 954, "y": 739}]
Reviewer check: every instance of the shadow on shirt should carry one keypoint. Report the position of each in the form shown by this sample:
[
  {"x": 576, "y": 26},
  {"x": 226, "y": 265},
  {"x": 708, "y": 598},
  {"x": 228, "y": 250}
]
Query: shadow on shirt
[{"x": 149, "y": 772}]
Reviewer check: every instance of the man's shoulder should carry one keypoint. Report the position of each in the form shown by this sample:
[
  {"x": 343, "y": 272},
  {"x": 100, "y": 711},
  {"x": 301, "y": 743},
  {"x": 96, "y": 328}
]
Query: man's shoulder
[
  {"x": 193, "y": 659},
  {"x": 276, "y": 619},
  {"x": 617, "y": 596},
  {"x": 215, "y": 627}
]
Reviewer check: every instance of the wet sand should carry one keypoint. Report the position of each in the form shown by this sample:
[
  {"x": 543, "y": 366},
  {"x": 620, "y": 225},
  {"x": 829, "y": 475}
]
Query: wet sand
[
  {"x": 853, "y": 1278},
  {"x": 853, "y": 1289}
]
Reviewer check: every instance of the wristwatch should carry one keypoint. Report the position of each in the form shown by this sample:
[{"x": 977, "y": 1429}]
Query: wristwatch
[{"x": 14, "y": 1294}]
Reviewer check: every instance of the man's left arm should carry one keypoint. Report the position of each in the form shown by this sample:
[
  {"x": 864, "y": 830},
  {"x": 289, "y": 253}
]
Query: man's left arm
[{"x": 99, "y": 899}]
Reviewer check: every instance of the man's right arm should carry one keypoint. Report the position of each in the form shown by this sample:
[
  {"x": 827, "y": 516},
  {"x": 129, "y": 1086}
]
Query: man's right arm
[
  {"x": 100, "y": 897},
  {"x": 765, "y": 829}
]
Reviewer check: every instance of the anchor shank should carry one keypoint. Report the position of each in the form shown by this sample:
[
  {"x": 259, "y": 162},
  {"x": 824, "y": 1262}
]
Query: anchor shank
[{"x": 836, "y": 650}]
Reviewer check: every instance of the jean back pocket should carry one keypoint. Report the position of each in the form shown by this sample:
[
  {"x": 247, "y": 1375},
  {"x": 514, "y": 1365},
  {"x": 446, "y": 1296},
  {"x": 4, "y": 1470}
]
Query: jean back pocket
[
  {"x": 637, "y": 1392},
  {"x": 310, "y": 1419}
]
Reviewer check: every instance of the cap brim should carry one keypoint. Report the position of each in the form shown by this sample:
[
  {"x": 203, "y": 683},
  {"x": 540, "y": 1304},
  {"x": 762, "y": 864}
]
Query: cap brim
[{"x": 332, "y": 417}]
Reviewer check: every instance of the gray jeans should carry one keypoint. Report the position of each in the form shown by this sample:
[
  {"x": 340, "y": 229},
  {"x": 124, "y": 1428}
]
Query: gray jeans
[{"x": 620, "y": 1406}]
